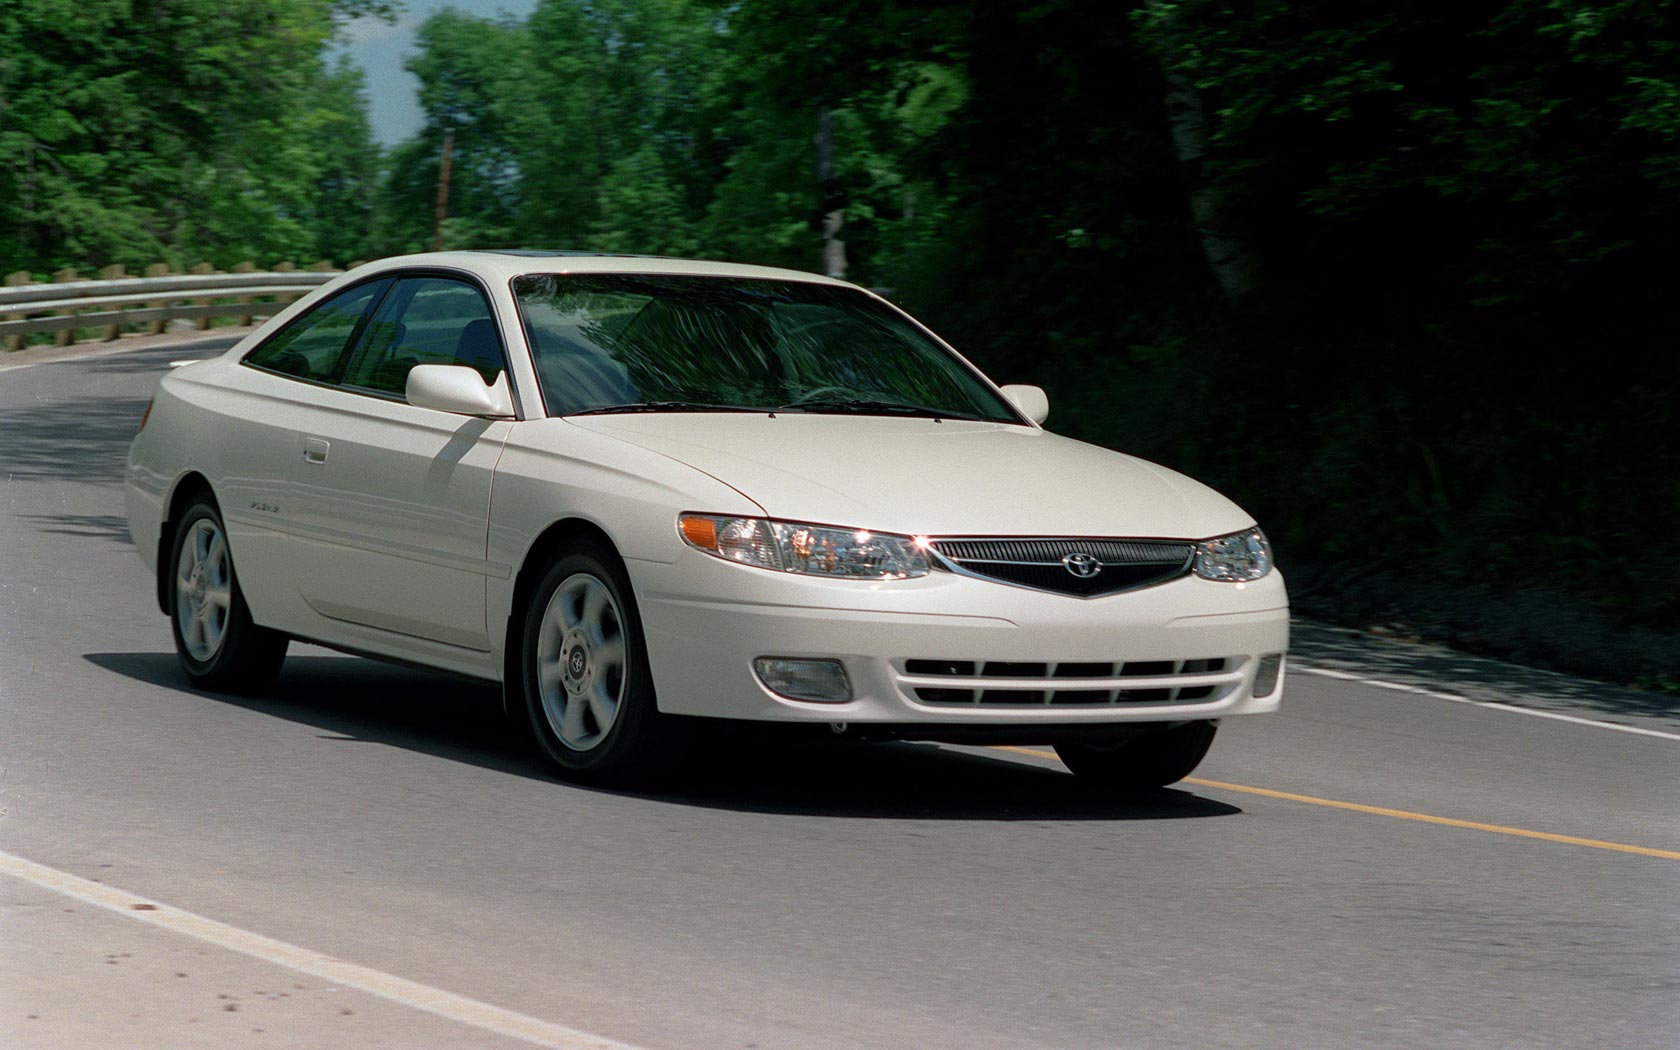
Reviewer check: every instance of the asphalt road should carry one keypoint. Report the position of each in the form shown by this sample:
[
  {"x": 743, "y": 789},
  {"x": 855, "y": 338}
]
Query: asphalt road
[{"x": 1420, "y": 851}]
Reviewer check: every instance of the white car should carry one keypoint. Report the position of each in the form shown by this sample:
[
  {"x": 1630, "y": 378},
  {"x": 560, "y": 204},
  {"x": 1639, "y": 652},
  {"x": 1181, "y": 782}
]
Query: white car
[{"x": 634, "y": 488}]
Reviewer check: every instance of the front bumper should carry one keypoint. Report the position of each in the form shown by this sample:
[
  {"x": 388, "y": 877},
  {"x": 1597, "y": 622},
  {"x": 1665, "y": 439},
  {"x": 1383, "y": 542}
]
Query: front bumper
[{"x": 917, "y": 651}]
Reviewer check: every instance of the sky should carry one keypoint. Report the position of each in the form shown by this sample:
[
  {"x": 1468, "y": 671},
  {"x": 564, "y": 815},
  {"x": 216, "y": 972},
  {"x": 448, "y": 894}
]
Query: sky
[{"x": 380, "y": 48}]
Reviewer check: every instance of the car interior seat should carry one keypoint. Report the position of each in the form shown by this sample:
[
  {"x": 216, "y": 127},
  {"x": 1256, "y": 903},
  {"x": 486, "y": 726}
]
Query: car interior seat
[{"x": 479, "y": 348}]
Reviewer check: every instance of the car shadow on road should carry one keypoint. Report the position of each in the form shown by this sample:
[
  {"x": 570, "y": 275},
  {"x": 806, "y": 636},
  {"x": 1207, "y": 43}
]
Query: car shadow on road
[
  {"x": 87, "y": 526},
  {"x": 747, "y": 769},
  {"x": 354, "y": 700},
  {"x": 761, "y": 771}
]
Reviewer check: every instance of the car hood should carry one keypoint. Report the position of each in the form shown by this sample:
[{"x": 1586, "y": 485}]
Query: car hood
[{"x": 921, "y": 477}]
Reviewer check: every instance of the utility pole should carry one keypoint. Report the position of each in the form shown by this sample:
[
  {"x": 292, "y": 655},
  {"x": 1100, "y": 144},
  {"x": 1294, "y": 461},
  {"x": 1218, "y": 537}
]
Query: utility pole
[{"x": 443, "y": 190}]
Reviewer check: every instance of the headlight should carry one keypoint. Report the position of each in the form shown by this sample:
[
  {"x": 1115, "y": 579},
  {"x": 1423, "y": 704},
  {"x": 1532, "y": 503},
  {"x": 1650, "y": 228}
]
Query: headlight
[
  {"x": 854, "y": 554},
  {"x": 1235, "y": 558}
]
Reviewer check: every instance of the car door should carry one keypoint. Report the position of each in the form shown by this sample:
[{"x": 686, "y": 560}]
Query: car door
[
  {"x": 258, "y": 409},
  {"x": 393, "y": 501}
]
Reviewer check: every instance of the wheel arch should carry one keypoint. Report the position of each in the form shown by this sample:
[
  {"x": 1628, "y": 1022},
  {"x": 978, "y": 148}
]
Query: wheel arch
[
  {"x": 188, "y": 487},
  {"x": 557, "y": 537}
]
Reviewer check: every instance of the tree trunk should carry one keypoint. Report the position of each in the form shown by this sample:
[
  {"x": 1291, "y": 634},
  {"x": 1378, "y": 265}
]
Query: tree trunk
[
  {"x": 833, "y": 204},
  {"x": 1232, "y": 260}
]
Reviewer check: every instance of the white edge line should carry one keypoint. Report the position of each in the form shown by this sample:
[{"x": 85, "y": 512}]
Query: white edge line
[
  {"x": 1326, "y": 672},
  {"x": 400, "y": 990}
]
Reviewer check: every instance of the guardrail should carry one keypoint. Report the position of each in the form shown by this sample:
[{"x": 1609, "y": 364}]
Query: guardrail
[{"x": 72, "y": 306}]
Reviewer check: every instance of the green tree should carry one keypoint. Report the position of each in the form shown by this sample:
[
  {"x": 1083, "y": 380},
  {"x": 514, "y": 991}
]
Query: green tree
[
  {"x": 1462, "y": 215},
  {"x": 347, "y": 169},
  {"x": 133, "y": 131},
  {"x": 470, "y": 70},
  {"x": 611, "y": 123}
]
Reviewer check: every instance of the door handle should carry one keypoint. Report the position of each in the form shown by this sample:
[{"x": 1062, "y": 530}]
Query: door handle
[{"x": 315, "y": 450}]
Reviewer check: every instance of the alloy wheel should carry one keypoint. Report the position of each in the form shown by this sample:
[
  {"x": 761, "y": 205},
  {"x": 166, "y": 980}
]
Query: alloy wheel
[
  {"x": 582, "y": 657},
  {"x": 203, "y": 589}
]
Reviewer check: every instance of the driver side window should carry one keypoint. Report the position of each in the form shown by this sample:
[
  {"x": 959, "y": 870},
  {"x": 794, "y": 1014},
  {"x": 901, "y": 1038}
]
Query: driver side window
[{"x": 426, "y": 321}]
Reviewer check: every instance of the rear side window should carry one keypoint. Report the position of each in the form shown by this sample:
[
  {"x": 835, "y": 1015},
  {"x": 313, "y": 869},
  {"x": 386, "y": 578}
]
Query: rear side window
[
  {"x": 311, "y": 346},
  {"x": 426, "y": 321}
]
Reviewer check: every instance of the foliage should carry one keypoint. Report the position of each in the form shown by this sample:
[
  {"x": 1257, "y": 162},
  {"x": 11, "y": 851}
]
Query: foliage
[
  {"x": 138, "y": 130},
  {"x": 1464, "y": 215},
  {"x": 1457, "y": 359}
]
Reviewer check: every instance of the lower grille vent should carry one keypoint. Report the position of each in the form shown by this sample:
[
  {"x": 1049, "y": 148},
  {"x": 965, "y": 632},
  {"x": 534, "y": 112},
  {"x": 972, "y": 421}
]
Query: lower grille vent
[{"x": 1009, "y": 683}]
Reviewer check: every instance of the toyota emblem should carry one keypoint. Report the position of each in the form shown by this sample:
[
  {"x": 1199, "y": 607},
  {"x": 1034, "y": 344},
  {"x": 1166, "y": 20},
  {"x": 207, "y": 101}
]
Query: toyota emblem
[{"x": 1082, "y": 565}]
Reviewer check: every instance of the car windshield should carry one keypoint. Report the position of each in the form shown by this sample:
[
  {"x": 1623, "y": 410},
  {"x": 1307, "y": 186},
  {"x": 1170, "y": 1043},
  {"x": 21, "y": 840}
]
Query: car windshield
[{"x": 639, "y": 343}]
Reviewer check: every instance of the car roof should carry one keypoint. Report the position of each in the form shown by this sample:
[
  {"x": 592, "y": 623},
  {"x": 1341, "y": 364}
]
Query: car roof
[{"x": 506, "y": 263}]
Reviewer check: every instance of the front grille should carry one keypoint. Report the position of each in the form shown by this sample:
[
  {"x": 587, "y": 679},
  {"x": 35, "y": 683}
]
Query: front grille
[
  {"x": 1042, "y": 564},
  {"x": 1017, "y": 683}
]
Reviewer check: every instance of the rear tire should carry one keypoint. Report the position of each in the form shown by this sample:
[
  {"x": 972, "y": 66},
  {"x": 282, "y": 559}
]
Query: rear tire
[
  {"x": 588, "y": 692},
  {"x": 218, "y": 645},
  {"x": 1142, "y": 762}
]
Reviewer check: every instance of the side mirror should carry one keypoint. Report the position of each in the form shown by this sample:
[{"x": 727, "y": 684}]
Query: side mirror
[
  {"x": 1031, "y": 400},
  {"x": 459, "y": 389}
]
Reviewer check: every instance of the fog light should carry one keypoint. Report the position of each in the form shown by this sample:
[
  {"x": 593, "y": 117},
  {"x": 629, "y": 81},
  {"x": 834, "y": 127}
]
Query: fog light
[
  {"x": 1266, "y": 676},
  {"x": 824, "y": 681}
]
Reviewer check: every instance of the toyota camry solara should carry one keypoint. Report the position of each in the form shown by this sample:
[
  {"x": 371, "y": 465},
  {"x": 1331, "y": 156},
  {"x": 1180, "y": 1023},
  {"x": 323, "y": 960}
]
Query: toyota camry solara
[{"x": 631, "y": 489}]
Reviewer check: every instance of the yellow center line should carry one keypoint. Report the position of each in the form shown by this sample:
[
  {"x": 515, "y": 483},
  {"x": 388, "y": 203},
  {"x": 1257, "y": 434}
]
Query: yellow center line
[{"x": 1403, "y": 814}]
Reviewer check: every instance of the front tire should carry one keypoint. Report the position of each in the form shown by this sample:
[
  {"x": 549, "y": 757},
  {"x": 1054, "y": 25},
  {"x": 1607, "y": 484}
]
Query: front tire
[
  {"x": 1143, "y": 762},
  {"x": 218, "y": 645},
  {"x": 588, "y": 691}
]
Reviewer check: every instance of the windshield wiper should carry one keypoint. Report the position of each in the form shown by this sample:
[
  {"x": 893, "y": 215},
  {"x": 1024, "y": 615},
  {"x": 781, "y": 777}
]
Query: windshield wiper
[
  {"x": 665, "y": 406},
  {"x": 866, "y": 406}
]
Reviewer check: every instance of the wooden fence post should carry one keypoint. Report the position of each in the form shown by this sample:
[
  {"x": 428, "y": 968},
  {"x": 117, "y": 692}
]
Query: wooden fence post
[
  {"x": 320, "y": 266},
  {"x": 112, "y": 273},
  {"x": 203, "y": 322},
  {"x": 15, "y": 280},
  {"x": 65, "y": 336},
  {"x": 281, "y": 301},
  {"x": 157, "y": 270},
  {"x": 244, "y": 267}
]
